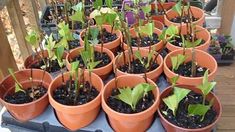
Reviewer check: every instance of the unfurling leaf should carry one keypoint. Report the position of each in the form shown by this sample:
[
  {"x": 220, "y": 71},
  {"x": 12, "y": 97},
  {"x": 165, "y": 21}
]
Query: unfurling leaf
[
  {"x": 147, "y": 29},
  {"x": 176, "y": 61},
  {"x": 110, "y": 18},
  {"x": 77, "y": 16},
  {"x": 198, "y": 109},
  {"x": 172, "y": 103},
  {"x": 180, "y": 93},
  {"x": 125, "y": 96},
  {"x": 146, "y": 9},
  {"x": 59, "y": 52},
  {"x": 33, "y": 39},
  {"x": 18, "y": 86},
  {"x": 139, "y": 57},
  {"x": 174, "y": 80},
  {"x": 177, "y": 7},
  {"x": 206, "y": 86},
  {"x": 99, "y": 20}
]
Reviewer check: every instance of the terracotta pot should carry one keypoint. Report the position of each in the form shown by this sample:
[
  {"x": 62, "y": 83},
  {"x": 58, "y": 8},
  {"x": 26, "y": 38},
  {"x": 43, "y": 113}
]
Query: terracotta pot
[
  {"x": 166, "y": 6},
  {"x": 157, "y": 46},
  {"x": 197, "y": 12},
  {"x": 202, "y": 34},
  {"x": 202, "y": 58},
  {"x": 110, "y": 45},
  {"x": 103, "y": 72},
  {"x": 76, "y": 117},
  {"x": 32, "y": 59},
  {"x": 121, "y": 122},
  {"x": 157, "y": 24},
  {"x": 27, "y": 111},
  {"x": 173, "y": 128},
  {"x": 153, "y": 75}
]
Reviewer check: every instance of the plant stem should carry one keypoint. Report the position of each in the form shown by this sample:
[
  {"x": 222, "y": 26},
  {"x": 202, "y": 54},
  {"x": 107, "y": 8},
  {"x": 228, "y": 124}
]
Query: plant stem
[
  {"x": 102, "y": 43},
  {"x": 31, "y": 78},
  {"x": 181, "y": 19},
  {"x": 159, "y": 1}
]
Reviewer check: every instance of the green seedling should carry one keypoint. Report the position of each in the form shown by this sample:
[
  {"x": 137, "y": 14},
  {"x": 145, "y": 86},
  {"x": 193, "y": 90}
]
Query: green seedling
[
  {"x": 74, "y": 71},
  {"x": 176, "y": 61},
  {"x": 33, "y": 38},
  {"x": 79, "y": 15},
  {"x": 59, "y": 52},
  {"x": 66, "y": 34},
  {"x": 50, "y": 46},
  {"x": 94, "y": 32},
  {"x": 132, "y": 96},
  {"x": 18, "y": 86}
]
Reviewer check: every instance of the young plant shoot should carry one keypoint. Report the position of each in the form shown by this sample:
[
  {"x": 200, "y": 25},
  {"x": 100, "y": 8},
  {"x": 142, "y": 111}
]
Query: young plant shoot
[
  {"x": 65, "y": 34},
  {"x": 132, "y": 96},
  {"x": 176, "y": 61},
  {"x": 79, "y": 15},
  {"x": 18, "y": 86},
  {"x": 75, "y": 72}
]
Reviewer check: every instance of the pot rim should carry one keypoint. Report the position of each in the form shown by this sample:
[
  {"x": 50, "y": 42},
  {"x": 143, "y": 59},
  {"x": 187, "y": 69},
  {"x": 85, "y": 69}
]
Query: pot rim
[
  {"x": 156, "y": 102},
  {"x": 187, "y": 129},
  {"x": 211, "y": 58},
  {"x": 27, "y": 81},
  {"x": 77, "y": 106}
]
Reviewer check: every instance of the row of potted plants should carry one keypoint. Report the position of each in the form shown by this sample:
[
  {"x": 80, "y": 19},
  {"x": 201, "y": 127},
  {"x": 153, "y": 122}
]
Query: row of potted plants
[{"x": 134, "y": 56}]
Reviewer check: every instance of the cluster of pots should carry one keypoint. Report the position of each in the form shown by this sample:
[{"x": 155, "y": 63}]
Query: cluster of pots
[{"x": 76, "y": 117}]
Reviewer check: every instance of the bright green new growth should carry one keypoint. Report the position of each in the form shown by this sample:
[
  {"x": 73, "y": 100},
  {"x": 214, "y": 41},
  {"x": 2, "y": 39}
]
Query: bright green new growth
[
  {"x": 173, "y": 101},
  {"x": 147, "y": 29},
  {"x": 177, "y": 7},
  {"x": 18, "y": 86},
  {"x": 205, "y": 87},
  {"x": 189, "y": 44},
  {"x": 59, "y": 52},
  {"x": 33, "y": 38},
  {"x": 75, "y": 68},
  {"x": 149, "y": 58},
  {"x": 78, "y": 15},
  {"x": 174, "y": 80},
  {"x": 176, "y": 61},
  {"x": 132, "y": 96},
  {"x": 65, "y": 33},
  {"x": 50, "y": 46},
  {"x": 94, "y": 32},
  {"x": 169, "y": 33}
]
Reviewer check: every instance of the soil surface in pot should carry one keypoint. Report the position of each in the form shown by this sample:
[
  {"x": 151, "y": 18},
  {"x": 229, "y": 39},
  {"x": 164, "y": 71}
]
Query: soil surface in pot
[
  {"x": 185, "y": 70},
  {"x": 182, "y": 118},
  {"x": 145, "y": 41},
  {"x": 137, "y": 67},
  {"x": 184, "y": 19},
  {"x": 177, "y": 41},
  {"x": 119, "y": 106},
  {"x": 29, "y": 95},
  {"x": 54, "y": 66},
  {"x": 67, "y": 97},
  {"x": 74, "y": 44},
  {"x": 103, "y": 58},
  {"x": 107, "y": 36}
]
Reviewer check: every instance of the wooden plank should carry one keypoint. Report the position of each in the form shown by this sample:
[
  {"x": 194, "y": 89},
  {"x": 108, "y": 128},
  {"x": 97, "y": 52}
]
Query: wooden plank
[
  {"x": 33, "y": 14},
  {"x": 43, "y": 4},
  {"x": 228, "y": 111},
  {"x": 6, "y": 56},
  {"x": 226, "y": 99},
  {"x": 222, "y": 130},
  {"x": 227, "y": 14},
  {"x": 18, "y": 25},
  {"x": 226, "y": 123},
  {"x": 222, "y": 88}
]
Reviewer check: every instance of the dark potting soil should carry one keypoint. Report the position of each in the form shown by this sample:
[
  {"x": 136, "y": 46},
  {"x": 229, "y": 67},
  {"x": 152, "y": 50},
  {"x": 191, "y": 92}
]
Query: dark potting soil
[
  {"x": 67, "y": 97},
  {"x": 119, "y": 106},
  {"x": 74, "y": 44},
  {"x": 185, "y": 70},
  {"x": 145, "y": 41},
  {"x": 21, "y": 97},
  {"x": 177, "y": 41},
  {"x": 54, "y": 66},
  {"x": 184, "y": 19},
  {"x": 103, "y": 58},
  {"x": 182, "y": 119},
  {"x": 137, "y": 67},
  {"x": 107, "y": 36}
]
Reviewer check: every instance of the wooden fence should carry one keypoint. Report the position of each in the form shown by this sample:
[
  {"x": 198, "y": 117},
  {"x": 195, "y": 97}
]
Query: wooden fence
[{"x": 18, "y": 24}]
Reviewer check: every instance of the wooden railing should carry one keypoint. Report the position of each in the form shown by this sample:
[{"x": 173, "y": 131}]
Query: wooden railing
[{"x": 6, "y": 56}]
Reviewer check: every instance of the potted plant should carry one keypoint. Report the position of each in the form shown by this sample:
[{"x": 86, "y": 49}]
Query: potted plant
[
  {"x": 180, "y": 13},
  {"x": 215, "y": 49},
  {"x": 92, "y": 56},
  {"x": 107, "y": 36},
  {"x": 184, "y": 38},
  {"x": 24, "y": 93},
  {"x": 130, "y": 102},
  {"x": 44, "y": 59},
  {"x": 189, "y": 108},
  {"x": 75, "y": 96}
]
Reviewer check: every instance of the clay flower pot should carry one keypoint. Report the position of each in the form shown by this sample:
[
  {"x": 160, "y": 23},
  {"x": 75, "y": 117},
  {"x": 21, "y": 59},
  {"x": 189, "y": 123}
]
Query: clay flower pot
[
  {"x": 110, "y": 45},
  {"x": 103, "y": 72},
  {"x": 76, "y": 117},
  {"x": 157, "y": 24},
  {"x": 197, "y": 13},
  {"x": 170, "y": 127},
  {"x": 201, "y": 34},
  {"x": 153, "y": 75},
  {"x": 120, "y": 122},
  {"x": 157, "y": 46},
  {"x": 202, "y": 59},
  {"x": 26, "y": 111},
  {"x": 32, "y": 59},
  {"x": 166, "y": 6}
]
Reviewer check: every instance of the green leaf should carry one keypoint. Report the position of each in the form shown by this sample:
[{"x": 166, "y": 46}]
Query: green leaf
[
  {"x": 59, "y": 52},
  {"x": 197, "y": 42},
  {"x": 18, "y": 86},
  {"x": 174, "y": 62},
  {"x": 110, "y": 18},
  {"x": 137, "y": 94},
  {"x": 99, "y": 20},
  {"x": 78, "y": 7},
  {"x": 174, "y": 80},
  {"x": 77, "y": 16},
  {"x": 109, "y": 3},
  {"x": 147, "y": 29},
  {"x": 198, "y": 109},
  {"x": 33, "y": 39},
  {"x": 139, "y": 57},
  {"x": 180, "y": 93},
  {"x": 125, "y": 96},
  {"x": 206, "y": 86},
  {"x": 94, "y": 32},
  {"x": 50, "y": 46},
  {"x": 171, "y": 102},
  {"x": 75, "y": 66},
  {"x": 177, "y": 7},
  {"x": 98, "y": 4},
  {"x": 146, "y": 9}
]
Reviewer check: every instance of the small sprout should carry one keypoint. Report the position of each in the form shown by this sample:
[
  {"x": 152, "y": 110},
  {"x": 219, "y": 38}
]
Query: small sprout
[
  {"x": 177, "y": 7},
  {"x": 59, "y": 52},
  {"x": 74, "y": 70},
  {"x": 174, "y": 80},
  {"x": 147, "y": 29},
  {"x": 146, "y": 9},
  {"x": 50, "y": 46},
  {"x": 132, "y": 96},
  {"x": 109, "y": 3},
  {"x": 176, "y": 61},
  {"x": 94, "y": 32},
  {"x": 149, "y": 58},
  {"x": 169, "y": 33},
  {"x": 65, "y": 33},
  {"x": 18, "y": 86},
  {"x": 173, "y": 100},
  {"x": 33, "y": 38}
]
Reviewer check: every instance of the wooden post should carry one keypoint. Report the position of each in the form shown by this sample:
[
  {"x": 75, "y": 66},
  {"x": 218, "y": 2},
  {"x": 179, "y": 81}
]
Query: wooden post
[
  {"x": 43, "y": 4},
  {"x": 6, "y": 56},
  {"x": 19, "y": 27},
  {"x": 33, "y": 17},
  {"x": 227, "y": 14}
]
